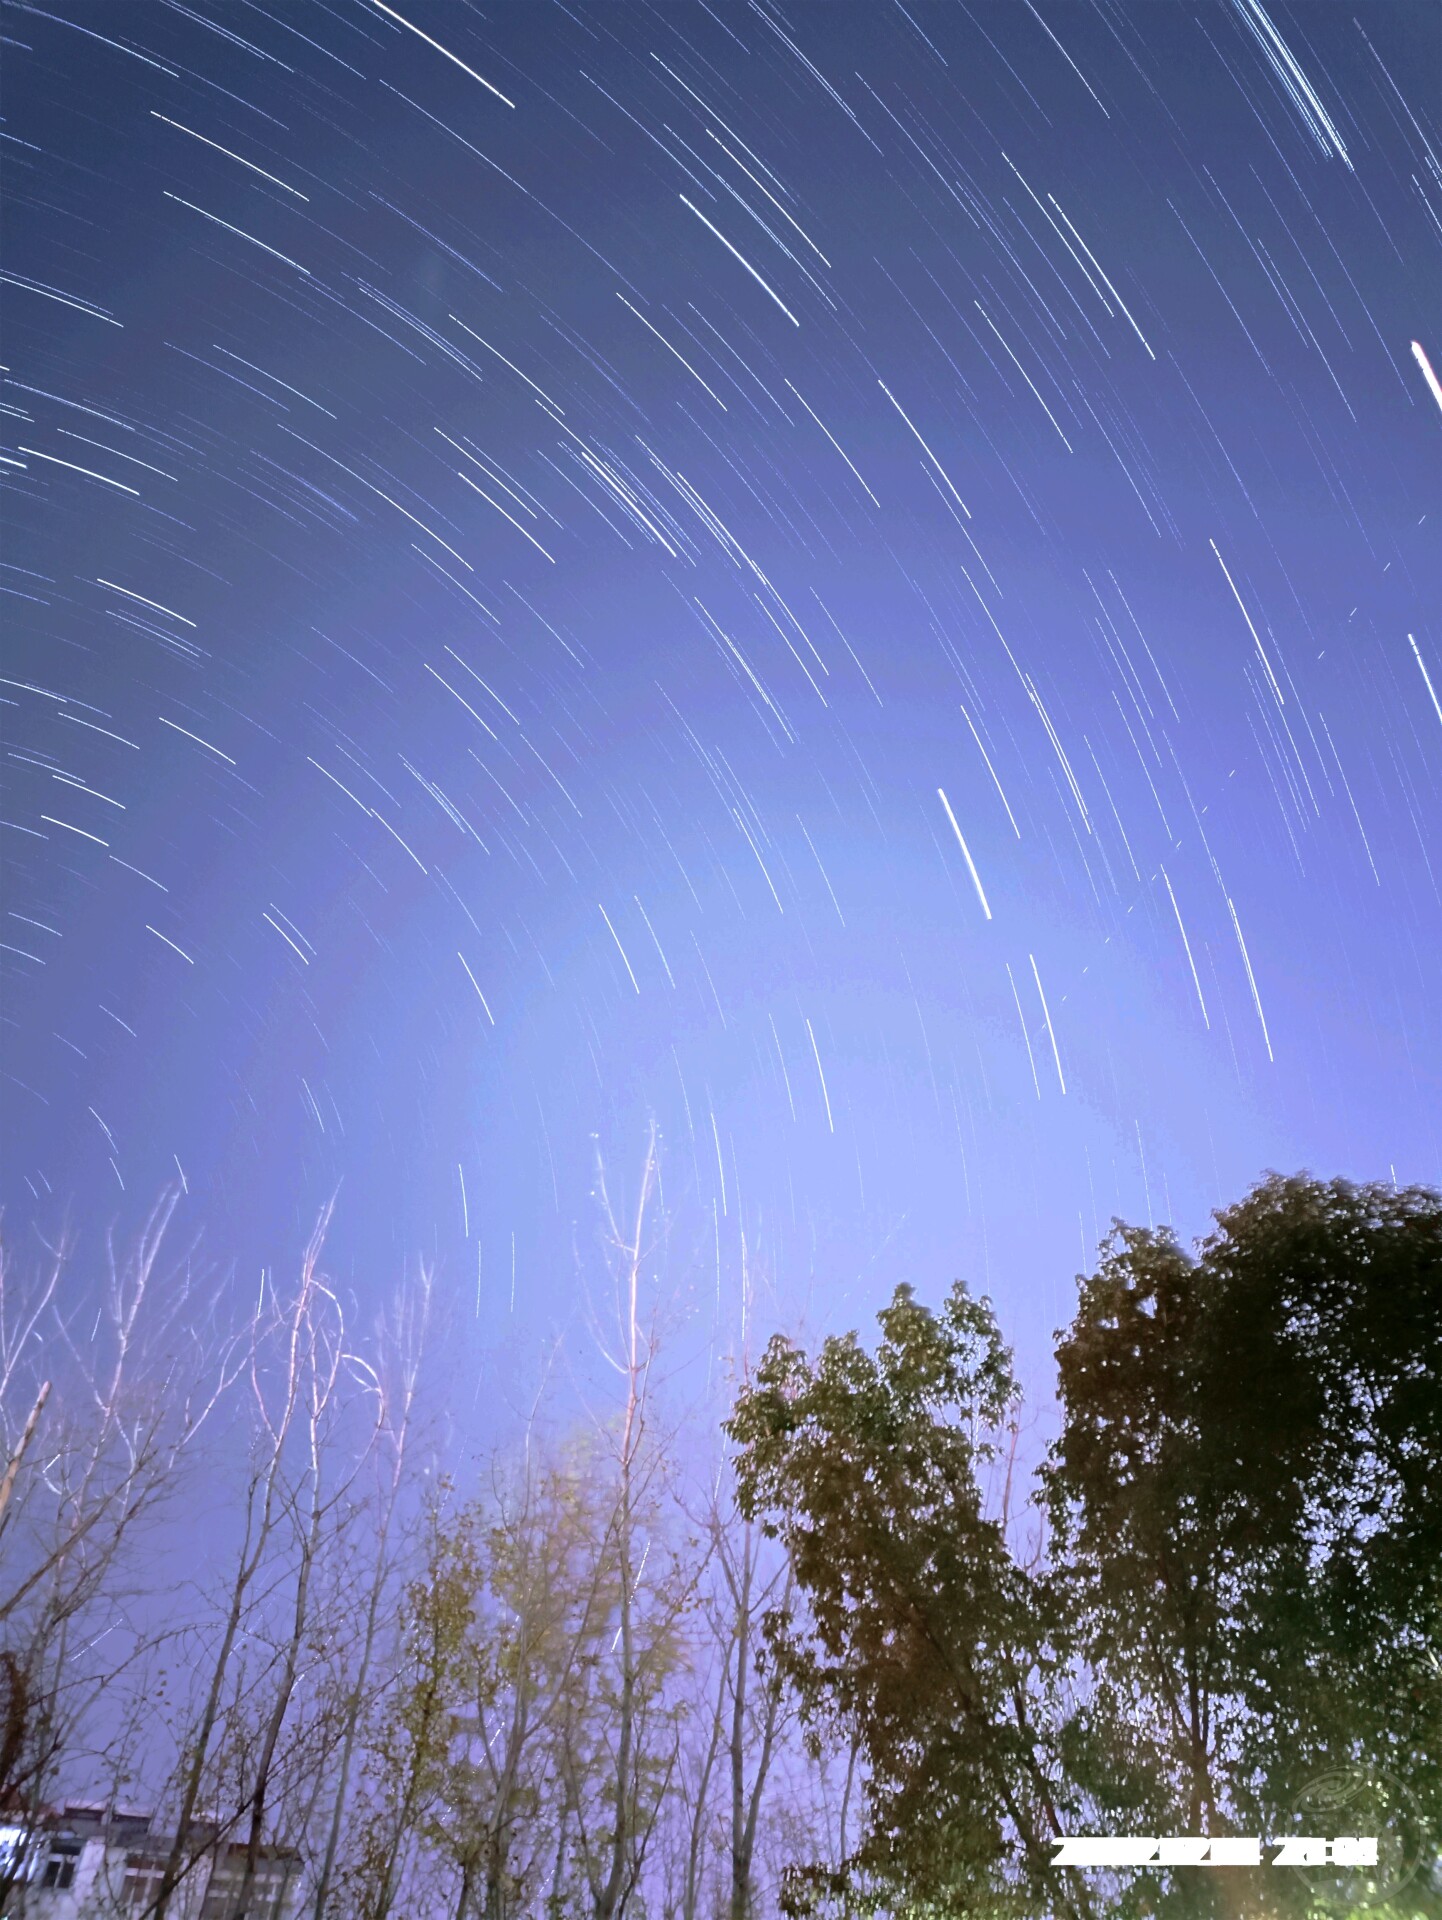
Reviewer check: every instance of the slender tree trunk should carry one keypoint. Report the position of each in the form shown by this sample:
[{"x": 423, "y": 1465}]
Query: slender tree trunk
[
  {"x": 274, "y": 1724},
  {"x": 412, "y": 1340},
  {"x": 253, "y": 1551},
  {"x": 553, "y": 1901},
  {"x": 383, "y": 1897},
  {"x": 608, "y": 1898},
  {"x": 354, "y": 1709},
  {"x": 611, "y": 1896},
  {"x": 463, "y": 1905},
  {"x": 7, "y": 1485},
  {"x": 740, "y": 1862},
  {"x": 744, "y": 1854},
  {"x": 846, "y": 1796},
  {"x": 177, "y": 1866},
  {"x": 691, "y": 1891}
]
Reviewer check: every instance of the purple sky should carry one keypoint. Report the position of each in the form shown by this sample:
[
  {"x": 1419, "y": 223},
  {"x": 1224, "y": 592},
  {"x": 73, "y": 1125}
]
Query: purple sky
[{"x": 861, "y": 580}]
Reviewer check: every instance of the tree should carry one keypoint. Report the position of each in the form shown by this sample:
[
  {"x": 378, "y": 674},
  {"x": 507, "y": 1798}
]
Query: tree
[
  {"x": 751, "y": 1703},
  {"x": 411, "y": 1738},
  {"x": 1247, "y": 1503},
  {"x": 1241, "y": 1589},
  {"x": 919, "y": 1630},
  {"x": 105, "y": 1392},
  {"x": 527, "y": 1745},
  {"x": 302, "y": 1461},
  {"x": 618, "y": 1738},
  {"x": 402, "y": 1343},
  {"x": 737, "y": 1718},
  {"x": 317, "y": 1508}
]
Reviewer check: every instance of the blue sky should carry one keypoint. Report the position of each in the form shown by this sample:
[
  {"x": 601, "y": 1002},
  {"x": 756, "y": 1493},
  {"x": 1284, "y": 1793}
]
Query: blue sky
[{"x": 861, "y": 581}]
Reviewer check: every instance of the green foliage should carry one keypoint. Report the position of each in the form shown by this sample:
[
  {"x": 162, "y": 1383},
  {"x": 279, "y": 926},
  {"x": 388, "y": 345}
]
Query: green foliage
[
  {"x": 1247, "y": 1503},
  {"x": 1242, "y": 1585},
  {"x": 920, "y": 1629}
]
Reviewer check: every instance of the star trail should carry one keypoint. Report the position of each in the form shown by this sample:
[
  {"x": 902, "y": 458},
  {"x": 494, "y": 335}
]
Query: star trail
[{"x": 861, "y": 580}]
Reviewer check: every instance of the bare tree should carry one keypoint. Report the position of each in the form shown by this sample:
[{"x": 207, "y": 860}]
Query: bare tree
[
  {"x": 757, "y": 1700},
  {"x": 527, "y": 1750},
  {"x": 694, "y": 1823},
  {"x": 299, "y": 1368},
  {"x": 314, "y": 1507},
  {"x": 619, "y": 1741},
  {"x": 740, "y": 1717},
  {"x": 104, "y": 1393},
  {"x": 12, "y": 1468},
  {"x": 403, "y": 1342},
  {"x": 547, "y": 1695}
]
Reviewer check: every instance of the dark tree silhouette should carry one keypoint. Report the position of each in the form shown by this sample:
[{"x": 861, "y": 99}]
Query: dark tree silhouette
[{"x": 1240, "y": 1594}]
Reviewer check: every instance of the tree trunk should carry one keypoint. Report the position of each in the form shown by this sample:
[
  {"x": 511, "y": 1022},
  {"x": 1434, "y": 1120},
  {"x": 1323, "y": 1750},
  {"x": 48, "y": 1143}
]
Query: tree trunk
[{"x": 7, "y": 1485}]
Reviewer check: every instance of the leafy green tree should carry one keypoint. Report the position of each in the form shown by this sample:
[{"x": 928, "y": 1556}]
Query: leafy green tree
[
  {"x": 1246, "y": 1501},
  {"x": 1240, "y": 1594},
  {"x": 921, "y": 1631}
]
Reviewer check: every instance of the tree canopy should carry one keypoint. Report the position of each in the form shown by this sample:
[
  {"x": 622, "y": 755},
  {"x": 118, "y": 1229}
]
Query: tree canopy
[{"x": 1235, "y": 1592}]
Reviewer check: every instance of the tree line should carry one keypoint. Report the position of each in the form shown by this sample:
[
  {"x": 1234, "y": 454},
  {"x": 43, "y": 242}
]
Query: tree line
[{"x": 846, "y": 1650}]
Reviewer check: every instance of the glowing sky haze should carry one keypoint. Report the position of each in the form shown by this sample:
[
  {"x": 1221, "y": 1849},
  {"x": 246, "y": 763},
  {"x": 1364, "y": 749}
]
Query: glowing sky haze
[{"x": 862, "y": 579}]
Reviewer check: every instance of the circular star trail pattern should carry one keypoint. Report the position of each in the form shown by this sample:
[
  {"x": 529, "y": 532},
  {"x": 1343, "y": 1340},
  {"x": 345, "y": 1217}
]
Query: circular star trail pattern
[{"x": 860, "y": 579}]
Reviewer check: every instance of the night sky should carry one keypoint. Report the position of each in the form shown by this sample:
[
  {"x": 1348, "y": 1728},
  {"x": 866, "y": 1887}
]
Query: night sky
[{"x": 864, "y": 580}]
